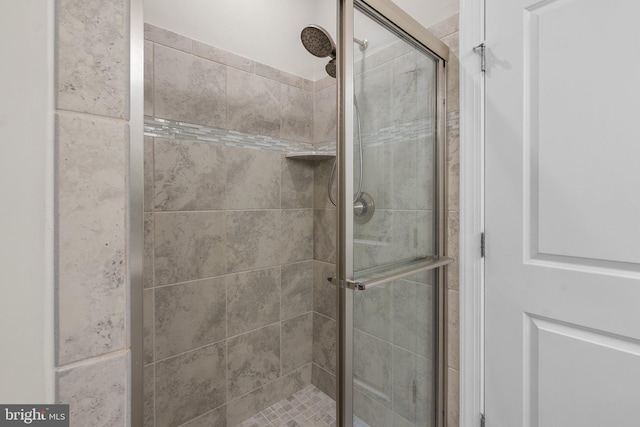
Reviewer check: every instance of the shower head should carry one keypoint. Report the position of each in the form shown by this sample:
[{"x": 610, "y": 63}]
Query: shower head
[
  {"x": 318, "y": 41},
  {"x": 330, "y": 68}
]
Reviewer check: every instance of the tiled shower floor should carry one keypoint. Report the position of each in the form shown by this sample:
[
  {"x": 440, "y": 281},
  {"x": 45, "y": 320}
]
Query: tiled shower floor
[{"x": 308, "y": 407}]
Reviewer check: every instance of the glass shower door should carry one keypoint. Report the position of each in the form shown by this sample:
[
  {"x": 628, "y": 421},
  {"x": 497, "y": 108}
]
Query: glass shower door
[{"x": 391, "y": 245}]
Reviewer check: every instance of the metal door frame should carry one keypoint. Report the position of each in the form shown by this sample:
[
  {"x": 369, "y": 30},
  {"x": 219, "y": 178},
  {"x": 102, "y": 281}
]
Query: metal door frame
[{"x": 398, "y": 21}]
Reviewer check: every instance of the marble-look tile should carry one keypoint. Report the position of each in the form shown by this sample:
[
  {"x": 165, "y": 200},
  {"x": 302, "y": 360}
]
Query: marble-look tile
[
  {"x": 426, "y": 231},
  {"x": 223, "y": 57},
  {"x": 383, "y": 56},
  {"x": 148, "y": 174},
  {"x": 253, "y": 300},
  {"x": 253, "y": 103},
  {"x": 296, "y": 184},
  {"x": 377, "y": 174},
  {"x": 404, "y": 94},
  {"x": 324, "y": 115},
  {"x": 453, "y": 398},
  {"x": 445, "y": 27},
  {"x": 324, "y": 380},
  {"x": 189, "y": 316},
  {"x": 188, "y": 88},
  {"x": 426, "y": 173},
  {"x": 253, "y": 239},
  {"x": 250, "y": 404},
  {"x": 91, "y": 196},
  {"x": 410, "y": 369},
  {"x": 189, "y": 246},
  {"x": 148, "y": 314},
  {"x": 279, "y": 75},
  {"x": 297, "y": 342},
  {"x": 453, "y": 161},
  {"x": 148, "y": 410},
  {"x": 324, "y": 293},
  {"x": 413, "y": 316},
  {"x": 91, "y": 57},
  {"x": 324, "y": 235},
  {"x": 372, "y": 311},
  {"x": 253, "y": 360},
  {"x": 296, "y": 380},
  {"x": 167, "y": 38},
  {"x": 453, "y": 72},
  {"x": 370, "y": 411},
  {"x": 189, "y": 175},
  {"x": 373, "y": 368},
  {"x": 95, "y": 392},
  {"x": 373, "y": 91},
  {"x": 252, "y": 179},
  {"x": 190, "y": 384},
  {"x": 147, "y": 261},
  {"x": 324, "y": 342},
  {"x": 426, "y": 69},
  {"x": 297, "y": 289},
  {"x": 321, "y": 176},
  {"x": 297, "y": 114},
  {"x": 453, "y": 236},
  {"x": 453, "y": 329},
  {"x": 215, "y": 418},
  {"x": 296, "y": 235},
  {"x": 148, "y": 78},
  {"x": 308, "y": 85}
]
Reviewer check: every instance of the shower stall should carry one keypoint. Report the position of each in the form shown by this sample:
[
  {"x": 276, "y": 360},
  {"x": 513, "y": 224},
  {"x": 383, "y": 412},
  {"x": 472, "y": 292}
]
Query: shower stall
[{"x": 295, "y": 255}]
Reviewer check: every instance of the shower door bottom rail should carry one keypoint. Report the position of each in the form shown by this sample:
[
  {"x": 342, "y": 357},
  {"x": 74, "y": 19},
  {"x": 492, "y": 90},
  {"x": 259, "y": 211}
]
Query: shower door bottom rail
[{"x": 416, "y": 267}]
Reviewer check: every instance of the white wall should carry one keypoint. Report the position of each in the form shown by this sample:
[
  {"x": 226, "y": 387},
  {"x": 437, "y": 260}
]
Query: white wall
[
  {"x": 26, "y": 217},
  {"x": 269, "y": 31}
]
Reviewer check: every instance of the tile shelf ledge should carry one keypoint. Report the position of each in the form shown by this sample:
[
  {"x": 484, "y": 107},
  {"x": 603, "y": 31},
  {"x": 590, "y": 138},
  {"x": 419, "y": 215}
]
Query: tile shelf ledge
[{"x": 311, "y": 155}]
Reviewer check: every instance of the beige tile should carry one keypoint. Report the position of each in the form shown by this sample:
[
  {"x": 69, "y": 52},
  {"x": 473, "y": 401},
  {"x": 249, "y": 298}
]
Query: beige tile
[
  {"x": 91, "y": 245},
  {"x": 223, "y": 57},
  {"x": 253, "y": 360},
  {"x": 453, "y": 161},
  {"x": 297, "y": 289},
  {"x": 189, "y": 246},
  {"x": 253, "y": 103},
  {"x": 453, "y": 398},
  {"x": 253, "y": 239},
  {"x": 148, "y": 78},
  {"x": 95, "y": 392},
  {"x": 83, "y": 42},
  {"x": 252, "y": 178},
  {"x": 453, "y": 329},
  {"x": 296, "y": 184},
  {"x": 167, "y": 38},
  {"x": 189, "y": 316},
  {"x": 188, "y": 88},
  {"x": 190, "y": 385},
  {"x": 445, "y": 27},
  {"x": 297, "y": 114},
  {"x": 253, "y": 300},
  {"x": 453, "y": 73},
  {"x": 189, "y": 175},
  {"x": 453, "y": 236},
  {"x": 324, "y": 342},
  {"x": 297, "y": 342},
  {"x": 296, "y": 235},
  {"x": 279, "y": 75}
]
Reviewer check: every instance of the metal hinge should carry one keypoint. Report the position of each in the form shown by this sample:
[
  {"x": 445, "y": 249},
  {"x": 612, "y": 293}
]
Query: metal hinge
[
  {"x": 351, "y": 284},
  {"x": 482, "y": 245},
  {"x": 481, "y": 420},
  {"x": 481, "y": 49}
]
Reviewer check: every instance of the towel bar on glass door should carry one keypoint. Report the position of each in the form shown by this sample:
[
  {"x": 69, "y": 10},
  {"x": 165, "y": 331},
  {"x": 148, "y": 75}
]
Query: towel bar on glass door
[{"x": 416, "y": 267}]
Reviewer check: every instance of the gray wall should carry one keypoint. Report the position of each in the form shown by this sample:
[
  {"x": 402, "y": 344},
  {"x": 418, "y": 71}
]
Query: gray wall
[{"x": 92, "y": 105}]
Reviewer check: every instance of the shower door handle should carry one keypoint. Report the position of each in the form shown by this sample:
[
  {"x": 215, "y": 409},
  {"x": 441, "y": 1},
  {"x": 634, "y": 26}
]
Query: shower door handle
[{"x": 351, "y": 284}]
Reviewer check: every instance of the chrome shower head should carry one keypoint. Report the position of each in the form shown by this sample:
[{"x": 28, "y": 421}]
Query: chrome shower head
[
  {"x": 330, "y": 68},
  {"x": 318, "y": 41}
]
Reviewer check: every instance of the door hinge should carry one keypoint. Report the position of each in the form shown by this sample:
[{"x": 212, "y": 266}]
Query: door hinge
[
  {"x": 482, "y": 245},
  {"x": 482, "y": 420},
  {"x": 481, "y": 50}
]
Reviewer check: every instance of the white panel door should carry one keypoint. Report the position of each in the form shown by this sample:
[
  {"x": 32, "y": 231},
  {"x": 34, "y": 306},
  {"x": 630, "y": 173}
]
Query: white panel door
[{"x": 562, "y": 295}]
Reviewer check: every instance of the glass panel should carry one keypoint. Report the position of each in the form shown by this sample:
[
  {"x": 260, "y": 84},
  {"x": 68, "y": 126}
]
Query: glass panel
[{"x": 394, "y": 373}]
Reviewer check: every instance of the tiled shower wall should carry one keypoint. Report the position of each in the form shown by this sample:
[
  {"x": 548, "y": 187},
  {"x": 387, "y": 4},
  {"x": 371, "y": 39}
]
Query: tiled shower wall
[
  {"x": 92, "y": 114},
  {"x": 229, "y": 237}
]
